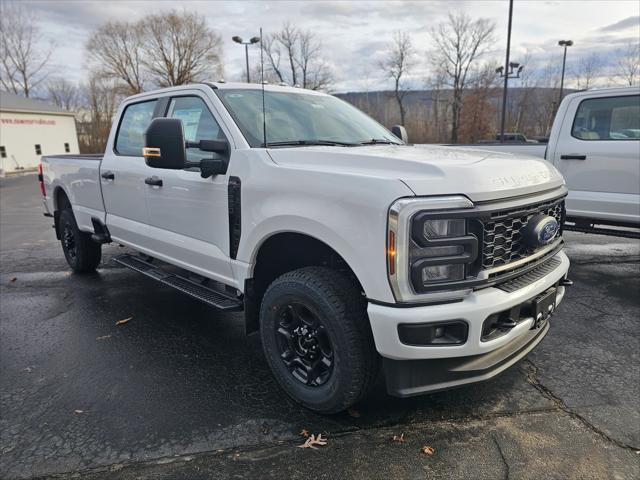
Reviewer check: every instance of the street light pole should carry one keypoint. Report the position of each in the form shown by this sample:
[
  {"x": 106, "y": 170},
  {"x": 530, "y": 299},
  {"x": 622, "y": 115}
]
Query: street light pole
[
  {"x": 565, "y": 44},
  {"x": 506, "y": 75},
  {"x": 251, "y": 41}
]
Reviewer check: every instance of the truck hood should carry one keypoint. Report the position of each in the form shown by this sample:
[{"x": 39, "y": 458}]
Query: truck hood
[{"x": 481, "y": 175}]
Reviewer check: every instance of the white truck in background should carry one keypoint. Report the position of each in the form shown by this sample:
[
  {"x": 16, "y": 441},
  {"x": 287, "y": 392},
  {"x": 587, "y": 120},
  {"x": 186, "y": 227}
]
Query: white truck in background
[
  {"x": 344, "y": 246},
  {"x": 595, "y": 144}
]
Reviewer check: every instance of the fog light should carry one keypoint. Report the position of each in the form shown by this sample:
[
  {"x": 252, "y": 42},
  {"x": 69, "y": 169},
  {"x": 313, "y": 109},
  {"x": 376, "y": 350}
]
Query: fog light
[{"x": 442, "y": 333}]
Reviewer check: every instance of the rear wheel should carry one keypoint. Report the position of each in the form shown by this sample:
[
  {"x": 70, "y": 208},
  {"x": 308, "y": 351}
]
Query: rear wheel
[
  {"x": 317, "y": 339},
  {"x": 83, "y": 254}
]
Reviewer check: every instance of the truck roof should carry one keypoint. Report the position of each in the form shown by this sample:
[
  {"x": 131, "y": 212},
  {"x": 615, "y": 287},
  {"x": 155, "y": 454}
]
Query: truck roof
[
  {"x": 222, "y": 85},
  {"x": 613, "y": 90}
]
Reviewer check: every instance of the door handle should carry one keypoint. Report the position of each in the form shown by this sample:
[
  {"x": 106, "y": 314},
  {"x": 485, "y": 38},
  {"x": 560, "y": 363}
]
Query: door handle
[
  {"x": 573, "y": 156},
  {"x": 153, "y": 181},
  {"x": 108, "y": 175}
]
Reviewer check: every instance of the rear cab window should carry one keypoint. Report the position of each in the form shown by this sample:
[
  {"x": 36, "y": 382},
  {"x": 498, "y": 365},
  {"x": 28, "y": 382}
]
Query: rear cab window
[
  {"x": 133, "y": 123},
  {"x": 608, "y": 118}
]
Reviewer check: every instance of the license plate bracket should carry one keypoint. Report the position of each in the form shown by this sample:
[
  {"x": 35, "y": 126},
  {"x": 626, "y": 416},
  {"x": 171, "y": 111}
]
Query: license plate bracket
[{"x": 543, "y": 306}]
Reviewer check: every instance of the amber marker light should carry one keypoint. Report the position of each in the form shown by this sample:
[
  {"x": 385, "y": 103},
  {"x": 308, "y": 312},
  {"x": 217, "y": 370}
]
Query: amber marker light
[{"x": 391, "y": 253}]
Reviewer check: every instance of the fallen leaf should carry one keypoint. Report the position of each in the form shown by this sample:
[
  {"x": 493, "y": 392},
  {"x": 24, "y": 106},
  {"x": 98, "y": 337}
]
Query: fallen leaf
[
  {"x": 122, "y": 322},
  {"x": 312, "y": 441},
  {"x": 398, "y": 438},
  {"x": 78, "y": 412},
  {"x": 13, "y": 279},
  {"x": 304, "y": 433},
  {"x": 427, "y": 450},
  {"x": 103, "y": 337},
  {"x": 354, "y": 413}
]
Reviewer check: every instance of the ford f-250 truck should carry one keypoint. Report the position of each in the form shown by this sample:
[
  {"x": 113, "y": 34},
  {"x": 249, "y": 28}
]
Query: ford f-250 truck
[{"x": 345, "y": 247}]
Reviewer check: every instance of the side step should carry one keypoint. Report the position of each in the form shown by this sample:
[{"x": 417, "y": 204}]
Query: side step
[{"x": 196, "y": 290}]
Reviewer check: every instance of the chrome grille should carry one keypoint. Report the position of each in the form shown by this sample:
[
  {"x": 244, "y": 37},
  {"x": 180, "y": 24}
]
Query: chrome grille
[{"x": 502, "y": 241}]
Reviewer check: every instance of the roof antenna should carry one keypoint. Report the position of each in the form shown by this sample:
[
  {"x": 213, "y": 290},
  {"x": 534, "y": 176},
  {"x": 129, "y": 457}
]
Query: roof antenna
[{"x": 264, "y": 112}]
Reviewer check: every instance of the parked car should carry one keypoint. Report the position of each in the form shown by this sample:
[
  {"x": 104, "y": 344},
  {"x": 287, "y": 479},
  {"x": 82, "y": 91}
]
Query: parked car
[
  {"x": 344, "y": 246},
  {"x": 595, "y": 144}
]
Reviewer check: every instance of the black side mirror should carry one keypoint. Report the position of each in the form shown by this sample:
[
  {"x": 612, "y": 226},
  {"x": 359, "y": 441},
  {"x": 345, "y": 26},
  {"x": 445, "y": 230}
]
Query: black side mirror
[
  {"x": 164, "y": 145},
  {"x": 400, "y": 132}
]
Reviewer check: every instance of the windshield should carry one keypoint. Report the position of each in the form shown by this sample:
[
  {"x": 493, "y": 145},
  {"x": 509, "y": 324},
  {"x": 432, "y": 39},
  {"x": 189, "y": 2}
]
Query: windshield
[{"x": 301, "y": 119}]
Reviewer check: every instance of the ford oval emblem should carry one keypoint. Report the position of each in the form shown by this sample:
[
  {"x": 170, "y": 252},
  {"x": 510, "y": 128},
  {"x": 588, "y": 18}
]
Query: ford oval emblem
[{"x": 540, "y": 230}]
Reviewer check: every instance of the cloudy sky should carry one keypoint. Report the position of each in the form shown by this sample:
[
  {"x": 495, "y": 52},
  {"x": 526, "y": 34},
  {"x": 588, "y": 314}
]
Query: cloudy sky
[{"x": 355, "y": 34}]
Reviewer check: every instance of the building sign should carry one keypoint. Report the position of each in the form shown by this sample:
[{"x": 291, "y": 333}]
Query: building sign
[{"x": 27, "y": 121}]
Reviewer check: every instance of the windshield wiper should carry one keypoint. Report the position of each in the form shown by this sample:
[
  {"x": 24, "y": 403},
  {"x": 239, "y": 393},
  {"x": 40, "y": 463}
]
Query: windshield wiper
[
  {"x": 296, "y": 143},
  {"x": 378, "y": 141}
]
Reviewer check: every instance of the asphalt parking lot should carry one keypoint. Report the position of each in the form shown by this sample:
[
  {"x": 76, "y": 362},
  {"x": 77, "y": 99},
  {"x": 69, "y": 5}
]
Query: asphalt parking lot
[{"x": 178, "y": 391}]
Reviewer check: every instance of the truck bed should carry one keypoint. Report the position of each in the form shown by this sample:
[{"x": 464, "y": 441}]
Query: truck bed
[
  {"x": 79, "y": 156},
  {"x": 80, "y": 177}
]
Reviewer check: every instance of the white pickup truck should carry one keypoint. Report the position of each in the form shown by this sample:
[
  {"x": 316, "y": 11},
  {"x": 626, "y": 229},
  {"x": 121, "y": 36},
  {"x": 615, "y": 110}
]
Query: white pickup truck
[
  {"x": 595, "y": 144},
  {"x": 345, "y": 247}
]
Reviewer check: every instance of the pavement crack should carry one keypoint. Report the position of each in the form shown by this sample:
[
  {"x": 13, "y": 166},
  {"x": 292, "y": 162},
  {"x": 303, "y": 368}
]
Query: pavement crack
[
  {"x": 533, "y": 378},
  {"x": 507, "y": 469}
]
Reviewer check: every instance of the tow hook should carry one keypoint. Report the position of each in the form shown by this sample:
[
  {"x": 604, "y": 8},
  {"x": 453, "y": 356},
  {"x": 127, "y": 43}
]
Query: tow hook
[{"x": 565, "y": 282}]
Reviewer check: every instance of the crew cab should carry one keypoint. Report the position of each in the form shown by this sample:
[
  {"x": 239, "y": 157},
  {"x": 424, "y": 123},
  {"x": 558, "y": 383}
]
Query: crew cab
[
  {"x": 595, "y": 144},
  {"x": 346, "y": 247}
]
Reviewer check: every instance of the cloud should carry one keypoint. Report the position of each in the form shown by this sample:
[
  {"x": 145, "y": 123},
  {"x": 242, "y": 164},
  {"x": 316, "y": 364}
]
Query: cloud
[
  {"x": 355, "y": 34},
  {"x": 628, "y": 22}
]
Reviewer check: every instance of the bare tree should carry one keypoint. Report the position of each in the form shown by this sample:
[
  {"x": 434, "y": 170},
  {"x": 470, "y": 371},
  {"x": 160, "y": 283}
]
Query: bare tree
[
  {"x": 115, "y": 50},
  {"x": 397, "y": 65},
  {"x": 23, "y": 57},
  {"x": 476, "y": 124},
  {"x": 163, "y": 50},
  {"x": 459, "y": 42},
  {"x": 628, "y": 64},
  {"x": 587, "y": 71},
  {"x": 180, "y": 48},
  {"x": 294, "y": 56},
  {"x": 63, "y": 93},
  {"x": 100, "y": 100}
]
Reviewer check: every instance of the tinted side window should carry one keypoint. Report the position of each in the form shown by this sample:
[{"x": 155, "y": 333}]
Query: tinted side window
[
  {"x": 198, "y": 124},
  {"x": 135, "y": 120},
  {"x": 609, "y": 118}
]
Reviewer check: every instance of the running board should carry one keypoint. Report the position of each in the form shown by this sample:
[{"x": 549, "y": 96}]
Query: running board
[{"x": 196, "y": 290}]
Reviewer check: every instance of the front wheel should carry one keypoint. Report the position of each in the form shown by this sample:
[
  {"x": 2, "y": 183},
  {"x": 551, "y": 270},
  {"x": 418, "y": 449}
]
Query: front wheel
[
  {"x": 83, "y": 254},
  {"x": 317, "y": 338}
]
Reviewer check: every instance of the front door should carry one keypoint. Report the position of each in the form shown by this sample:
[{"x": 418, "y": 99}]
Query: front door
[{"x": 188, "y": 212}]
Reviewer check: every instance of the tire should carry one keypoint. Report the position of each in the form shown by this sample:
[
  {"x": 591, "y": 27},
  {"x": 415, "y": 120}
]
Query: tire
[
  {"x": 83, "y": 254},
  {"x": 321, "y": 307}
]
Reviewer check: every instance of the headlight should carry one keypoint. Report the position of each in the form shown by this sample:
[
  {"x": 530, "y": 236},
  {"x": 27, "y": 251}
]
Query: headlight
[
  {"x": 432, "y": 249},
  {"x": 442, "y": 228}
]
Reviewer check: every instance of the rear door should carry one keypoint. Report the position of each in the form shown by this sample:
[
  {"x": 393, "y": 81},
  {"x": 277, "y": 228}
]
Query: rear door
[
  {"x": 598, "y": 153},
  {"x": 189, "y": 213},
  {"x": 122, "y": 175}
]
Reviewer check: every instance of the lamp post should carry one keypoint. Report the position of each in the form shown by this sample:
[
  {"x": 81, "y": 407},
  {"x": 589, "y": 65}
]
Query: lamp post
[
  {"x": 510, "y": 70},
  {"x": 246, "y": 44},
  {"x": 565, "y": 44}
]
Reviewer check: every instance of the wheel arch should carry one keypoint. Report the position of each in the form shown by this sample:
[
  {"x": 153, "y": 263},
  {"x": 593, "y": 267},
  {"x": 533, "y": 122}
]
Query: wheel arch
[
  {"x": 282, "y": 252},
  {"x": 60, "y": 201}
]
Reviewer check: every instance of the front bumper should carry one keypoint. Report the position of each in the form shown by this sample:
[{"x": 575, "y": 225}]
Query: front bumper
[{"x": 482, "y": 359}]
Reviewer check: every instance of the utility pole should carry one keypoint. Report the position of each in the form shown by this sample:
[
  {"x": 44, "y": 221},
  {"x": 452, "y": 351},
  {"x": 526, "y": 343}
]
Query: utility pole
[{"x": 506, "y": 75}]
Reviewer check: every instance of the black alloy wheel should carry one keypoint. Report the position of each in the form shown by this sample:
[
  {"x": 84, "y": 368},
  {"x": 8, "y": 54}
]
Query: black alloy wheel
[{"x": 304, "y": 344}]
